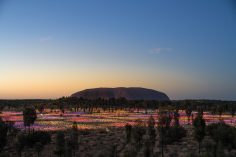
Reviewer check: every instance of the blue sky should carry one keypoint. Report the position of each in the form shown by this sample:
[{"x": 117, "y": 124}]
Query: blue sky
[{"x": 185, "y": 48}]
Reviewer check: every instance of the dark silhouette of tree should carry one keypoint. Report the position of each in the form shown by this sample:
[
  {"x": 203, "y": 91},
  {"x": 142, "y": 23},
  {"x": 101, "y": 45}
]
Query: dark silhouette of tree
[
  {"x": 1, "y": 108},
  {"x": 232, "y": 111},
  {"x": 68, "y": 149},
  {"x": 20, "y": 143},
  {"x": 199, "y": 129},
  {"x": 145, "y": 105},
  {"x": 114, "y": 151},
  {"x": 200, "y": 111},
  {"x": 60, "y": 144},
  {"x": 128, "y": 131},
  {"x": 62, "y": 109},
  {"x": 220, "y": 110},
  {"x": 41, "y": 108},
  {"x": 164, "y": 119},
  {"x": 29, "y": 117},
  {"x": 188, "y": 112},
  {"x": 38, "y": 148},
  {"x": 72, "y": 142},
  {"x": 176, "y": 117},
  {"x": 3, "y": 134},
  {"x": 151, "y": 130},
  {"x": 138, "y": 132},
  {"x": 147, "y": 151},
  {"x": 220, "y": 150}
]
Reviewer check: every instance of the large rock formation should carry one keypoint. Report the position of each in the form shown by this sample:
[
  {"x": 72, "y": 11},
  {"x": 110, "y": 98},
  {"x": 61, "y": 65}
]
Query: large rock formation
[{"x": 132, "y": 93}]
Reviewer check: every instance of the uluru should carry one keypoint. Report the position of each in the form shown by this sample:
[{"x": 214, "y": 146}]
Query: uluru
[{"x": 131, "y": 93}]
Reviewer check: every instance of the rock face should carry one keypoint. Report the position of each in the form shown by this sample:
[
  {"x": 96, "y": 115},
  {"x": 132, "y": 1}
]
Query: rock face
[{"x": 132, "y": 93}]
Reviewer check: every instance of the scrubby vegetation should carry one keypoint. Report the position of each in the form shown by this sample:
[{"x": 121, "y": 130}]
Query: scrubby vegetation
[
  {"x": 223, "y": 134},
  {"x": 160, "y": 135}
]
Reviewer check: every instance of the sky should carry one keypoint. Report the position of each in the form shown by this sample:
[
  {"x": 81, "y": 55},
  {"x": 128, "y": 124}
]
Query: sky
[{"x": 50, "y": 49}]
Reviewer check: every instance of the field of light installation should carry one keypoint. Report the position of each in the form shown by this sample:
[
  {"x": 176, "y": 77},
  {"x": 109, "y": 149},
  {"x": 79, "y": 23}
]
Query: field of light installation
[{"x": 53, "y": 121}]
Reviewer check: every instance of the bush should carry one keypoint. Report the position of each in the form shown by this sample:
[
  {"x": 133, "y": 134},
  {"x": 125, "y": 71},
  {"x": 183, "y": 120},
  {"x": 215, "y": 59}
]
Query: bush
[
  {"x": 60, "y": 144},
  {"x": 130, "y": 153},
  {"x": 223, "y": 133},
  {"x": 4, "y": 155},
  {"x": 174, "y": 134},
  {"x": 35, "y": 137}
]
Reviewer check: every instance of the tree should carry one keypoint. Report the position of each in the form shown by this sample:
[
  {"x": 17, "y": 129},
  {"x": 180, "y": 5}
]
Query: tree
[
  {"x": 176, "y": 117},
  {"x": 164, "y": 120},
  {"x": 62, "y": 109},
  {"x": 3, "y": 134},
  {"x": 60, "y": 144},
  {"x": 232, "y": 111},
  {"x": 128, "y": 131},
  {"x": 72, "y": 142},
  {"x": 1, "y": 108},
  {"x": 38, "y": 148},
  {"x": 199, "y": 129},
  {"x": 147, "y": 151},
  {"x": 188, "y": 112},
  {"x": 151, "y": 129},
  {"x": 139, "y": 131},
  {"x": 29, "y": 117},
  {"x": 41, "y": 108},
  {"x": 114, "y": 151},
  {"x": 20, "y": 143},
  {"x": 220, "y": 110}
]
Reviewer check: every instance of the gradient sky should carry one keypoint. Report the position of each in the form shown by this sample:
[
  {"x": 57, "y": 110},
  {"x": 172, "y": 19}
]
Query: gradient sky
[{"x": 53, "y": 48}]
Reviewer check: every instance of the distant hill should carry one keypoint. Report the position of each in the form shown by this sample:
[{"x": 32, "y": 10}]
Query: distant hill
[{"x": 132, "y": 93}]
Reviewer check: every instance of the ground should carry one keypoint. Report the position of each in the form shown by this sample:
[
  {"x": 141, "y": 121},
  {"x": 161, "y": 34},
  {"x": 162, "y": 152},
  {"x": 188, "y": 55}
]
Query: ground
[{"x": 98, "y": 143}]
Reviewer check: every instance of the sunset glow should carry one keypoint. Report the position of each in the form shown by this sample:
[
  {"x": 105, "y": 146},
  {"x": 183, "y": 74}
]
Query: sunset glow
[{"x": 51, "y": 49}]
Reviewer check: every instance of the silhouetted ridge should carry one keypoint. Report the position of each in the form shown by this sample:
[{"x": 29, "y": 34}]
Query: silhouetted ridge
[{"x": 132, "y": 93}]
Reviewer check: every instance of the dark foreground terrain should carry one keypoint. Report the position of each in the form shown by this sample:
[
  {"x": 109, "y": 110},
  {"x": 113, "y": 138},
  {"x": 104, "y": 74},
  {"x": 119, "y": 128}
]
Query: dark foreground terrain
[{"x": 184, "y": 128}]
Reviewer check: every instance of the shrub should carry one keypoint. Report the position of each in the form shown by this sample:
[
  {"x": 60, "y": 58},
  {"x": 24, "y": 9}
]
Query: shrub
[
  {"x": 31, "y": 139},
  {"x": 37, "y": 137},
  {"x": 174, "y": 134},
  {"x": 223, "y": 133}
]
